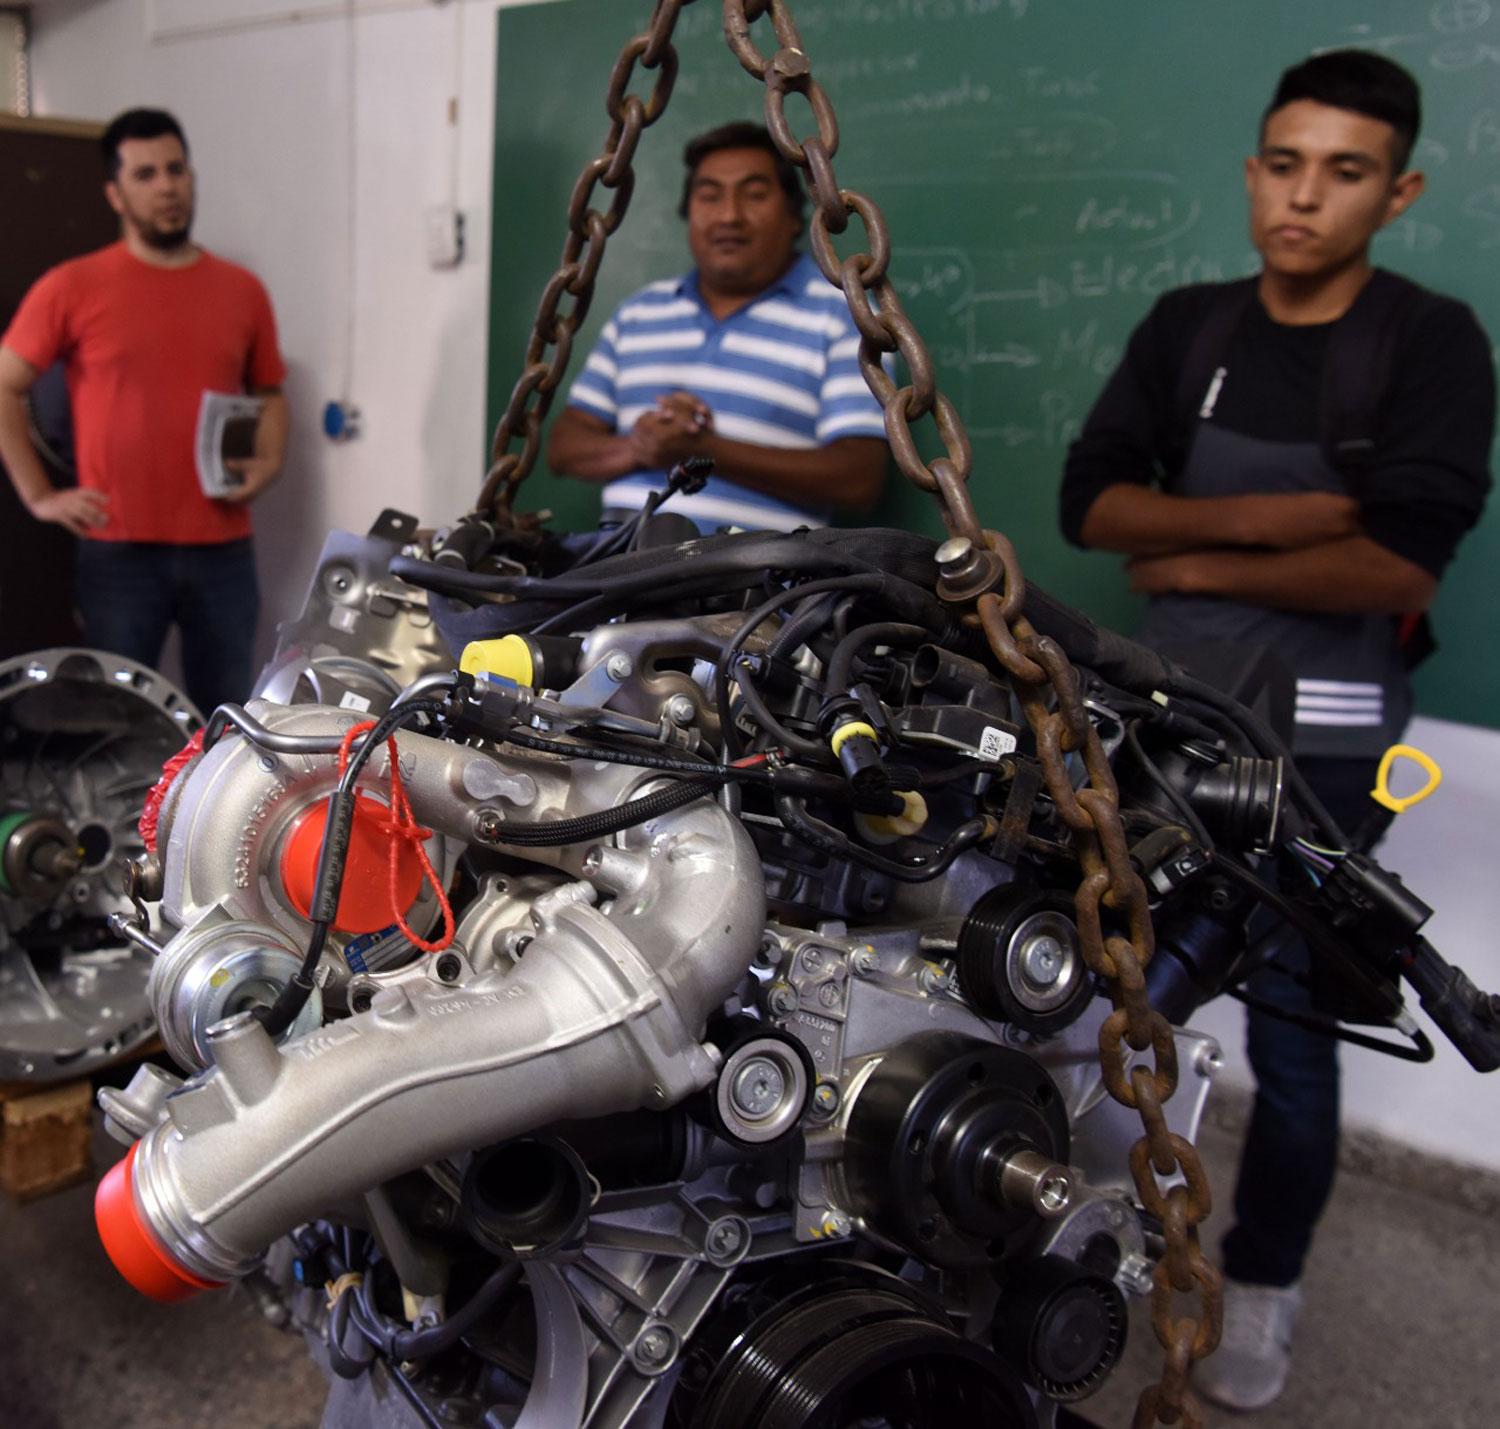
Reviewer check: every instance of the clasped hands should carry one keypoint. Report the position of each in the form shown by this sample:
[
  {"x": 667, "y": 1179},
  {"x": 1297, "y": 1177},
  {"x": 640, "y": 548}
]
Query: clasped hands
[{"x": 671, "y": 432}]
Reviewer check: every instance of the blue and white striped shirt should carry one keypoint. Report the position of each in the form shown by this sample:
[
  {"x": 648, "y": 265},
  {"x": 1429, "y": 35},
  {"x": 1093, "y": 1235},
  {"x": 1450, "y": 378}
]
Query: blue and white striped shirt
[{"x": 782, "y": 371}]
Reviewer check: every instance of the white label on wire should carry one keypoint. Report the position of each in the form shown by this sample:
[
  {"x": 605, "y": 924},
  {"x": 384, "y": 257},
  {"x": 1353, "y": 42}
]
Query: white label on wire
[
  {"x": 351, "y": 701},
  {"x": 994, "y": 742}
]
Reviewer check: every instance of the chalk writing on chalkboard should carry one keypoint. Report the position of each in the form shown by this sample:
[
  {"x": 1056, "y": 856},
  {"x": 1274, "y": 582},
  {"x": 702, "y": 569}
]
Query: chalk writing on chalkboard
[{"x": 1048, "y": 171}]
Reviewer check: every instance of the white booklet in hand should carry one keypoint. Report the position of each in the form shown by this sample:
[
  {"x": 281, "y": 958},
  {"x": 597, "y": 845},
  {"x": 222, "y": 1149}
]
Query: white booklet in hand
[{"x": 226, "y": 431}]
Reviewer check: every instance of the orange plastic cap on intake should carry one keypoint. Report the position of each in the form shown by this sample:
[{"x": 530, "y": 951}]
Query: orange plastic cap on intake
[{"x": 131, "y": 1245}]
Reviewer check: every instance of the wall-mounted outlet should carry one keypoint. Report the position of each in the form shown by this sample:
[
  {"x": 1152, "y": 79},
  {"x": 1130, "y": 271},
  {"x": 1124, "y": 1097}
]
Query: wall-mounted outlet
[{"x": 445, "y": 236}]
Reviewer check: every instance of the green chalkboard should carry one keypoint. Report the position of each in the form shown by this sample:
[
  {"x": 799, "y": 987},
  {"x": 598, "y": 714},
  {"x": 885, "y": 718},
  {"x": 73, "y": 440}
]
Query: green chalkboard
[{"x": 1048, "y": 167}]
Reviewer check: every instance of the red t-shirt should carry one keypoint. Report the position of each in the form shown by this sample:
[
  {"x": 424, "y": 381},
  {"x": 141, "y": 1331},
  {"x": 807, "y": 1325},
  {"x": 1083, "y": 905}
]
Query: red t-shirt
[{"x": 142, "y": 344}]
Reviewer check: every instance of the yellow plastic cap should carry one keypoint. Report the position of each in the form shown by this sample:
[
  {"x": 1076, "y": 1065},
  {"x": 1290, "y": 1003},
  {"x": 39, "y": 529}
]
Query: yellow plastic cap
[{"x": 509, "y": 658}]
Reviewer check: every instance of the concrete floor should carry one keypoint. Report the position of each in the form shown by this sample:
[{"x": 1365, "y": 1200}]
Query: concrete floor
[{"x": 1399, "y": 1330}]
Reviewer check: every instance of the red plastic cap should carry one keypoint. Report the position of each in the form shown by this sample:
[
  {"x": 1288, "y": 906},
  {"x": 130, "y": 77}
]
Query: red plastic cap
[
  {"x": 365, "y": 898},
  {"x": 136, "y": 1252}
]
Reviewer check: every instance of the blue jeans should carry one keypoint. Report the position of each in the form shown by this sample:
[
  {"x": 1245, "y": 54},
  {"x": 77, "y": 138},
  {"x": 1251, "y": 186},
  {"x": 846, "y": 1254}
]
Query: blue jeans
[
  {"x": 131, "y": 592},
  {"x": 1291, "y": 1149}
]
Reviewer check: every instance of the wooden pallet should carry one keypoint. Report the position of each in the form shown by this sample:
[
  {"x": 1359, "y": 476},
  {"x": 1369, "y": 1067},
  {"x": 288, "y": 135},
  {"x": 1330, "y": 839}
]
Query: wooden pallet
[
  {"x": 45, "y": 1134},
  {"x": 46, "y": 1130}
]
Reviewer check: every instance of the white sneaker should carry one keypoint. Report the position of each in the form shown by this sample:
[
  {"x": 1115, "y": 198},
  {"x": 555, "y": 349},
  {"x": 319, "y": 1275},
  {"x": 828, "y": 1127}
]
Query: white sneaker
[{"x": 1249, "y": 1369}]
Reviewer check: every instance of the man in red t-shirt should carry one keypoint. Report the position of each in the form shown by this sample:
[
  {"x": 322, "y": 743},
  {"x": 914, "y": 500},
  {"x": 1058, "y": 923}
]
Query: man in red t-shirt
[{"x": 144, "y": 328}]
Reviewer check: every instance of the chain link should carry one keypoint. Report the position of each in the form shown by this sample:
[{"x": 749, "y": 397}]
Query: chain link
[
  {"x": 1045, "y": 683},
  {"x": 566, "y": 298}
]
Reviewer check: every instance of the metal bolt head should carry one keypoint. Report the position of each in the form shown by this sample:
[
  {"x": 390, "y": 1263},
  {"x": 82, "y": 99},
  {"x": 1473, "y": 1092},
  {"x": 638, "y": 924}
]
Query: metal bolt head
[
  {"x": 655, "y": 1346},
  {"x": 835, "y": 1223},
  {"x": 1135, "y": 1274},
  {"x": 681, "y": 710},
  {"x": 826, "y": 1098},
  {"x": 865, "y": 962},
  {"x": 812, "y": 960},
  {"x": 724, "y": 1237},
  {"x": 954, "y": 553},
  {"x": 935, "y": 979},
  {"x": 1043, "y": 960},
  {"x": 829, "y": 995},
  {"x": 619, "y": 666},
  {"x": 758, "y": 1088},
  {"x": 783, "y": 999},
  {"x": 487, "y": 824}
]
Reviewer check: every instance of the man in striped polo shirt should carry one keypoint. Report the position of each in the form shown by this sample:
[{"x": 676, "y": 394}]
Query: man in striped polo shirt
[{"x": 750, "y": 359}]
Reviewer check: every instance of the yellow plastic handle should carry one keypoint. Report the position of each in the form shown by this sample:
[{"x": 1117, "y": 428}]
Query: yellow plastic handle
[{"x": 1381, "y": 793}]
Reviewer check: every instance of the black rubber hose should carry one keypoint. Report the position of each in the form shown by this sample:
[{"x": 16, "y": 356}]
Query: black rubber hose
[
  {"x": 865, "y": 582},
  {"x": 822, "y": 836},
  {"x": 1421, "y": 1049},
  {"x": 796, "y": 778},
  {"x": 637, "y": 576},
  {"x": 557, "y": 832},
  {"x": 1174, "y": 797},
  {"x": 812, "y": 616},
  {"x": 585, "y": 614},
  {"x": 714, "y": 562},
  {"x": 398, "y": 1343},
  {"x": 1318, "y": 937},
  {"x": 1269, "y": 745},
  {"x": 841, "y": 663},
  {"x": 638, "y": 758},
  {"x": 340, "y": 1361},
  {"x": 760, "y": 711}
]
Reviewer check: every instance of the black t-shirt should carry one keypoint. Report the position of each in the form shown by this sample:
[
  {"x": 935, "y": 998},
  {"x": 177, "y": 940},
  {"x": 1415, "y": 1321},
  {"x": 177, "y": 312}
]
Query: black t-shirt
[
  {"x": 1429, "y": 476},
  {"x": 1420, "y": 489}
]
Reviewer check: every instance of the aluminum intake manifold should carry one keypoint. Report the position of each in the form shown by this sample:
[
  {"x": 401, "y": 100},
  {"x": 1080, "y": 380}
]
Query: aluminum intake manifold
[{"x": 601, "y": 1015}]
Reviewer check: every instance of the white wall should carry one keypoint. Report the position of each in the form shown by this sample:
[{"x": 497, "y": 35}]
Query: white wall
[{"x": 267, "y": 109}]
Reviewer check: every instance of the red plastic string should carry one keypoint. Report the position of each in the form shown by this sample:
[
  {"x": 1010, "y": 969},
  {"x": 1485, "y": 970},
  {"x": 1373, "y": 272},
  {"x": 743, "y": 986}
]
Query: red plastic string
[{"x": 402, "y": 825}]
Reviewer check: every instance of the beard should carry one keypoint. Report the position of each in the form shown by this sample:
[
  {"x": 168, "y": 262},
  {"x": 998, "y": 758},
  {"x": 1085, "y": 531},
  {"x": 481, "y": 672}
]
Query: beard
[
  {"x": 162, "y": 237},
  {"x": 167, "y": 238}
]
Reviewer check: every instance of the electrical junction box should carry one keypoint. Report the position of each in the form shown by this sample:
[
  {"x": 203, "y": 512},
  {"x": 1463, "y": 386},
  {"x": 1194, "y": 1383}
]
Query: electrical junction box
[{"x": 445, "y": 236}]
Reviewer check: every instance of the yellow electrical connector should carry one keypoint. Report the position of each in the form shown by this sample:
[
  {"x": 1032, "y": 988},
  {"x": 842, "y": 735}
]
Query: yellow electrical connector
[{"x": 851, "y": 730}]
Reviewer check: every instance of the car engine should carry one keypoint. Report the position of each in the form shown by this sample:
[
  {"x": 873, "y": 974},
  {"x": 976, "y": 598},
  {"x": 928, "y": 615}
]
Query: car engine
[{"x": 701, "y": 1032}]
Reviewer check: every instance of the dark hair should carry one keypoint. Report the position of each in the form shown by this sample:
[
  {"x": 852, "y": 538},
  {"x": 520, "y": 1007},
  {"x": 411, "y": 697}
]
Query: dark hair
[
  {"x": 136, "y": 124},
  {"x": 1367, "y": 83},
  {"x": 741, "y": 134}
]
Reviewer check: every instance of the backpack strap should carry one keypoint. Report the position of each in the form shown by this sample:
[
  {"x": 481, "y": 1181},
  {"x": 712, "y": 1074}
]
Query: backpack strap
[
  {"x": 1202, "y": 373},
  {"x": 1357, "y": 370}
]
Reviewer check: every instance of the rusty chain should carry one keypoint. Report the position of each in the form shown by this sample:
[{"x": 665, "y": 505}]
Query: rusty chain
[
  {"x": 557, "y": 321},
  {"x": 1045, "y": 683}
]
